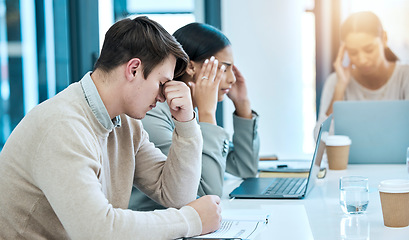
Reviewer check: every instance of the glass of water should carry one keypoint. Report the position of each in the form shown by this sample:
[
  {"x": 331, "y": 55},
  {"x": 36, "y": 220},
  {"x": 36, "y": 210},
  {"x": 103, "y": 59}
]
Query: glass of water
[{"x": 354, "y": 195}]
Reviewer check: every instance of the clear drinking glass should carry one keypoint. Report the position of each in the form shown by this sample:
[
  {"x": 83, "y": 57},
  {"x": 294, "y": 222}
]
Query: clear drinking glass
[{"x": 354, "y": 195}]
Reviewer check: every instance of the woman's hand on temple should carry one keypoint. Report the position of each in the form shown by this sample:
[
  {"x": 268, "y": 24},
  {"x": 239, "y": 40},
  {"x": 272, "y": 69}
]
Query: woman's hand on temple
[
  {"x": 343, "y": 78},
  {"x": 205, "y": 90},
  {"x": 343, "y": 73},
  {"x": 238, "y": 94}
]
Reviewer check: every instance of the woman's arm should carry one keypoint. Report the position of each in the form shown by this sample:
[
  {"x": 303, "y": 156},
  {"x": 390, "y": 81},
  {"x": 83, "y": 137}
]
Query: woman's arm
[
  {"x": 343, "y": 78},
  {"x": 239, "y": 97},
  {"x": 243, "y": 158},
  {"x": 160, "y": 127}
]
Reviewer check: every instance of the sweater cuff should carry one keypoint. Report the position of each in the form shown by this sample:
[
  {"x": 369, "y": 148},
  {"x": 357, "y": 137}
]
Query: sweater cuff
[
  {"x": 187, "y": 129},
  {"x": 193, "y": 220}
]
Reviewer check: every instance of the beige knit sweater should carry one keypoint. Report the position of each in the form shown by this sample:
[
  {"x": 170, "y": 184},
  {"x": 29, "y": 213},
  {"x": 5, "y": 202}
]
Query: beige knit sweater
[{"x": 65, "y": 176}]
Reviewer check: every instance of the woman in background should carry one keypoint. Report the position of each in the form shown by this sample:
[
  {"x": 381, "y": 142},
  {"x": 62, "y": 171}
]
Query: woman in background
[
  {"x": 240, "y": 158},
  {"x": 373, "y": 71}
]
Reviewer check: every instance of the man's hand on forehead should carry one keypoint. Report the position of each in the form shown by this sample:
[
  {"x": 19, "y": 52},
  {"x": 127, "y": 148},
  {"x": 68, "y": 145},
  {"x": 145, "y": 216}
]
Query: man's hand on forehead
[
  {"x": 177, "y": 95},
  {"x": 164, "y": 86}
]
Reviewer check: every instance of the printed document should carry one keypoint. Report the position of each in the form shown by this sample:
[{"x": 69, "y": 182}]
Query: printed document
[{"x": 240, "y": 223}]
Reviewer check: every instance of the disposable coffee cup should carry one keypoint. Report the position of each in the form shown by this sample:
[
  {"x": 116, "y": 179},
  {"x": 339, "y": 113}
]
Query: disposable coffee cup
[
  {"x": 337, "y": 151},
  {"x": 394, "y": 196}
]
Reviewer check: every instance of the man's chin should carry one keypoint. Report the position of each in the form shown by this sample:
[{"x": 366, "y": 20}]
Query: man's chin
[{"x": 139, "y": 116}]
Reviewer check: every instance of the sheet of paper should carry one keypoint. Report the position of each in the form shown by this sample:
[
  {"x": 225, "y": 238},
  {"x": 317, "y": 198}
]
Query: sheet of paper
[
  {"x": 246, "y": 214},
  {"x": 283, "y": 174},
  {"x": 285, "y": 166},
  {"x": 241, "y": 223},
  {"x": 236, "y": 229},
  {"x": 282, "y": 221}
]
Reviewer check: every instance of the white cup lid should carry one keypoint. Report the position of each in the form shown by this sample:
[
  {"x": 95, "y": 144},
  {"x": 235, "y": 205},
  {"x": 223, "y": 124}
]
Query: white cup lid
[
  {"x": 394, "y": 186},
  {"x": 337, "y": 140}
]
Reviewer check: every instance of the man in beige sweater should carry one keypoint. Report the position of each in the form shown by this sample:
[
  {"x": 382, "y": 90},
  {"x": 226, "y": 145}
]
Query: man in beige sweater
[{"x": 67, "y": 170}]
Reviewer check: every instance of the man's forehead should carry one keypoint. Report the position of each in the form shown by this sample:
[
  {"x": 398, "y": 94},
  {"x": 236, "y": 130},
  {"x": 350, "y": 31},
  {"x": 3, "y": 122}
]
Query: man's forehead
[{"x": 167, "y": 67}]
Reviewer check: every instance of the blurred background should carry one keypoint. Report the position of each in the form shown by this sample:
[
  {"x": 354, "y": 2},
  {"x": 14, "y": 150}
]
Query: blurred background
[{"x": 285, "y": 50}]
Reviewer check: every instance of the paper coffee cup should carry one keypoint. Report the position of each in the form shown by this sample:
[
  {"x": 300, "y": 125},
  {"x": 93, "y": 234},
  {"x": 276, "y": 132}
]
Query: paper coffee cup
[
  {"x": 394, "y": 196},
  {"x": 337, "y": 151}
]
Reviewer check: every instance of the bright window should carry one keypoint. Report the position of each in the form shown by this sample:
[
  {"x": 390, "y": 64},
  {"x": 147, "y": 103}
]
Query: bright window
[
  {"x": 34, "y": 57},
  {"x": 170, "y": 14}
]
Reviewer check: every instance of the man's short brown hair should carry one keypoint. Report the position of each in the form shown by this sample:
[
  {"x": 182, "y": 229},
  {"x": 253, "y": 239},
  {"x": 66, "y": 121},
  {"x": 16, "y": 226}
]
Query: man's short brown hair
[{"x": 140, "y": 38}]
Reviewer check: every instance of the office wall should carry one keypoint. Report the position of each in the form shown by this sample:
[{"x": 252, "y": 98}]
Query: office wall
[{"x": 266, "y": 40}]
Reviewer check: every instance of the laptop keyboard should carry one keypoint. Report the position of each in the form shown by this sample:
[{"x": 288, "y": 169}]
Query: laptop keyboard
[{"x": 287, "y": 186}]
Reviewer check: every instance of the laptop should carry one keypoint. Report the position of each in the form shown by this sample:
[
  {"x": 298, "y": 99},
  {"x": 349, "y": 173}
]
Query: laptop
[
  {"x": 379, "y": 130},
  {"x": 286, "y": 188}
]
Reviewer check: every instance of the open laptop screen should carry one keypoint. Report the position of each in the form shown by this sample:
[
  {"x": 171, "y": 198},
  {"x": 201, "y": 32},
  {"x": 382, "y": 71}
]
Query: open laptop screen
[
  {"x": 295, "y": 188},
  {"x": 379, "y": 130},
  {"x": 319, "y": 151}
]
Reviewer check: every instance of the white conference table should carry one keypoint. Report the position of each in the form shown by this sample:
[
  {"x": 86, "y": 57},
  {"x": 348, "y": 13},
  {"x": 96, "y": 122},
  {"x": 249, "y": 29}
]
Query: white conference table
[{"x": 319, "y": 215}]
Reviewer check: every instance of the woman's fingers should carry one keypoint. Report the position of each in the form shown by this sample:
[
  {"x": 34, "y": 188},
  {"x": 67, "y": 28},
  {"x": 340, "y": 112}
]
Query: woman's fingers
[
  {"x": 220, "y": 75},
  {"x": 208, "y": 69},
  {"x": 203, "y": 70},
  {"x": 213, "y": 70},
  {"x": 340, "y": 56}
]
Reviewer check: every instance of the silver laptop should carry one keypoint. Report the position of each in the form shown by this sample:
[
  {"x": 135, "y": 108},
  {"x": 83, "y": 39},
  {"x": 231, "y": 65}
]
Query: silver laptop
[
  {"x": 276, "y": 188},
  {"x": 379, "y": 130}
]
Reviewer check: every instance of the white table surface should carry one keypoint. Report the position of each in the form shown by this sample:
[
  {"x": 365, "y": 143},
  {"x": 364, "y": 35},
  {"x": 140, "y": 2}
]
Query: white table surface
[{"x": 319, "y": 215}]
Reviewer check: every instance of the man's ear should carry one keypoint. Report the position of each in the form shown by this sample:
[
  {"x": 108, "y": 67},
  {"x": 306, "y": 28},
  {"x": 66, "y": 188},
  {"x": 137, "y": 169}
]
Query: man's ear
[{"x": 133, "y": 68}]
